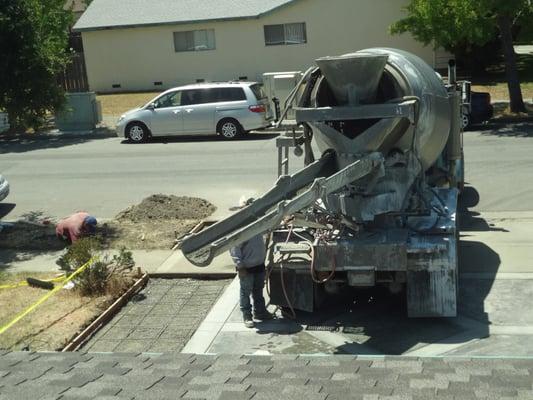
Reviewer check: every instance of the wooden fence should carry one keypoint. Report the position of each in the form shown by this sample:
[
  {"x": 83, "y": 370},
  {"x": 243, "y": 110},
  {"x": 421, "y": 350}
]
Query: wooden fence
[{"x": 74, "y": 78}]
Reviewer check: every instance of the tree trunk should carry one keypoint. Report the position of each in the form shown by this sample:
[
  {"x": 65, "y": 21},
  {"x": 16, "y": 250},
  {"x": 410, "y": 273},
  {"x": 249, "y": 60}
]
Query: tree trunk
[{"x": 511, "y": 70}]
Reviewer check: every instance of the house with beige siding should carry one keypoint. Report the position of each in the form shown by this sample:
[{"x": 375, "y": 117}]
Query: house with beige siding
[{"x": 136, "y": 45}]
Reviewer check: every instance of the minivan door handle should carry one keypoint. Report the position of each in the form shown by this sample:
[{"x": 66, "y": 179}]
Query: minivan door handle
[
  {"x": 189, "y": 110},
  {"x": 176, "y": 111}
]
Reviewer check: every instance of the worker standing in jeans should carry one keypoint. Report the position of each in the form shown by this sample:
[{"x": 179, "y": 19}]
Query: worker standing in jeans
[{"x": 249, "y": 259}]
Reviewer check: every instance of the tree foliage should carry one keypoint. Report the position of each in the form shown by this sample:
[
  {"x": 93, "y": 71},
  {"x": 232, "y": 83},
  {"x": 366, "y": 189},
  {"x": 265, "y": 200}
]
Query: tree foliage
[
  {"x": 33, "y": 48},
  {"x": 452, "y": 24},
  {"x": 445, "y": 23},
  {"x": 457, "y": 24}
]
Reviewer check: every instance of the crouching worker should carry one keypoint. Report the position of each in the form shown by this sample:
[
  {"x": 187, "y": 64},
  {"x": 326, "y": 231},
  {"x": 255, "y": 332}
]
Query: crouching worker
[
  {"x": 76, "y": 226},
  {"x": 249, "y": 259}
]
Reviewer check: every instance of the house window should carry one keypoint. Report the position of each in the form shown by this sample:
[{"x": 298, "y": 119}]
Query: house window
[
  {"x": 194, "y": 40},
  {"x": 285, "y": 34}
]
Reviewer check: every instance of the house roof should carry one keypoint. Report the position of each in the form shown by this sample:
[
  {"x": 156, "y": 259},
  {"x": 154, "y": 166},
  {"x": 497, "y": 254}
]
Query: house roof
[{"x": 109, "y": 14}]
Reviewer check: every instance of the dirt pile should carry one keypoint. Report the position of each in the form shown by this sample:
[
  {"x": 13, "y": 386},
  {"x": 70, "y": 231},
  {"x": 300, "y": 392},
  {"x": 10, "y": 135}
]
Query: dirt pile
[
  {"x": 155, "y": 223},
  {"x": 161, "y": 207}
]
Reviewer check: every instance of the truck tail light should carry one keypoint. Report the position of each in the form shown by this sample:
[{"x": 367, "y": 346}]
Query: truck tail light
[{"x": 257, "y": 109}]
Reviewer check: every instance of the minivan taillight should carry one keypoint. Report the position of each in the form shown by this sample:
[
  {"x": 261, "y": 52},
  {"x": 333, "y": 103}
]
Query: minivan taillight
[{"x": 257, "y": 109}]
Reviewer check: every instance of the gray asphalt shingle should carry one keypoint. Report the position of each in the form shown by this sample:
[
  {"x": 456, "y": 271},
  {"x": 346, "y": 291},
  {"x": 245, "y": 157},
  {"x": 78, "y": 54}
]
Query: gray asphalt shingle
[
  {"x": 103, "y": 14},
  {"x": 172, "y": 376}
]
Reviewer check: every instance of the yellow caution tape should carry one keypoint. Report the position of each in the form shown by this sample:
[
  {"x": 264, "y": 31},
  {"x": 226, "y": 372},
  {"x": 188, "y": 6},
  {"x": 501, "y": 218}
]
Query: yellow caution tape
[
  {"x": 25, "y": 283},
  {"x": 45, "y": 297},
  {"x": 14, "y": 285}
]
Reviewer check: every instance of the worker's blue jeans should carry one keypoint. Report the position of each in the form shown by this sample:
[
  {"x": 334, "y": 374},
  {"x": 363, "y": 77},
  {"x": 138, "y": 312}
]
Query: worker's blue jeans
[{"x": 252, "y": 284}]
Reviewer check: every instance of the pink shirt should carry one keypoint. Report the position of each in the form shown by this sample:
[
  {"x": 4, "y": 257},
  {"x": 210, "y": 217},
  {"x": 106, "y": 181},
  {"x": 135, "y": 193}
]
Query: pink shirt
[{"x": 72, "y": 227}]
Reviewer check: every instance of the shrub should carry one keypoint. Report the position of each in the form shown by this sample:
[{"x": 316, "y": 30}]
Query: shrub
[{"x": 105, "y": 275}]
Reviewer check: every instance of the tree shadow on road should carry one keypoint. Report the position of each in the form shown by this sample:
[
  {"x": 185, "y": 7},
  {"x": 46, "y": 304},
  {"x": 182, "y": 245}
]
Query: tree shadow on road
[
  {"x": 23, "y": 143},
  {"x": 212, "y": 138},
  {"x": 506, "y": 129}
]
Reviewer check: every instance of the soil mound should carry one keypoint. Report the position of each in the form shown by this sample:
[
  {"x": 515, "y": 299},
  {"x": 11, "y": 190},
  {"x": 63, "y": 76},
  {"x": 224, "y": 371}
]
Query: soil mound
[
  {"x": 155, "y": 223},
  {"x": 163, "y": 207}
]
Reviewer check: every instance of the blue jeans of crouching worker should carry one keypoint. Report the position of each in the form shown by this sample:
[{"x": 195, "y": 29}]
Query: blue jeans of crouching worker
[{"x": 252, "y": 282}]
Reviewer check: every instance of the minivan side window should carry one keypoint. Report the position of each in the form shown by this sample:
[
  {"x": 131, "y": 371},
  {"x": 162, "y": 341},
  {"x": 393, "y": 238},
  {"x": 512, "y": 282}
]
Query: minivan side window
[
  {"x": 194, "y": 96},
  {"x": 172, "y": 99},
  {"x": 212, "y": 95}
]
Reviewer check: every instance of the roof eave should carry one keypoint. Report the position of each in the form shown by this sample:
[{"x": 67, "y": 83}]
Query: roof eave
[
  {"x": 149, "y": 25},
  {"x": 197, "y": 21}
]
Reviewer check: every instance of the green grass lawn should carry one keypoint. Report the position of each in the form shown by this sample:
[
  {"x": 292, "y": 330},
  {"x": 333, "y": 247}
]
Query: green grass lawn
[
  {"x": 119, "y": 103},
  {"x": 494, "y": 80}
]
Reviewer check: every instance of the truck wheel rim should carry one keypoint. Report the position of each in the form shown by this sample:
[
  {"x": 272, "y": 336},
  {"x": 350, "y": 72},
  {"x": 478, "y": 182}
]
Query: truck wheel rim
[
  {"x": 136, "y": 133},
  {"x": 229, "y": 130}
]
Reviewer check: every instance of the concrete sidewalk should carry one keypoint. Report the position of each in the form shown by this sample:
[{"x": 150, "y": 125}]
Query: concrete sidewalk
[
  {"x": 160, "y": 262},
  {"x": 12, "y": 261}
]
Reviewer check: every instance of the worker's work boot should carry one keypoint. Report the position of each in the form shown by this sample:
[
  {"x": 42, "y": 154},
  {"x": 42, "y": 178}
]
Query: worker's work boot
[
  {"x": 248, "y": 321},
  {"x": 263, "y": 315}
]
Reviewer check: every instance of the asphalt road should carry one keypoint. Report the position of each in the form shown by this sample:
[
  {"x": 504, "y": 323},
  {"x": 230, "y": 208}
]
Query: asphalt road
[{"x": 103, "y": 176}]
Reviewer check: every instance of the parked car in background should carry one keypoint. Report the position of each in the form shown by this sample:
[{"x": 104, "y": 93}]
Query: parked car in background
[
  {"x": 229, "y": 109},
  {"x": 478, "y": 110},
  {"x": 4, "y": 188}
]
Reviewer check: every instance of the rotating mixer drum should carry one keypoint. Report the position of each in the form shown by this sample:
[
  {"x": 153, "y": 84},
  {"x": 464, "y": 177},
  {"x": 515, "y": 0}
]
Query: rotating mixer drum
[{"x": 381, "y": 76}]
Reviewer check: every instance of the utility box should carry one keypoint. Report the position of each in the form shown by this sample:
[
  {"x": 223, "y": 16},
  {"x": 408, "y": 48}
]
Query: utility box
[
  {"x": 4, "y": 122},
  {"x": 82, "y": 112},
  {"x": 278, "y": 85}
]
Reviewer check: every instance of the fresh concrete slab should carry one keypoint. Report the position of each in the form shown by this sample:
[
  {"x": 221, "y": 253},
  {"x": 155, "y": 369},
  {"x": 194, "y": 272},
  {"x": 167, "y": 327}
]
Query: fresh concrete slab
[
  {"x": 376, "y": 323},
  {"x": 496, "y": 286}
]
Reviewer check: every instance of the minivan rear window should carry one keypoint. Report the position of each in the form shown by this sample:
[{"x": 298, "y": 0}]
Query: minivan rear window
[{"x": 258, "y": 91}]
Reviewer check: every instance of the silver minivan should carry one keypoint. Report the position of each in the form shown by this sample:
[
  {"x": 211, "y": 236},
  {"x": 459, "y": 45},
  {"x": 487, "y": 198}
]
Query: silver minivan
[{"x": 229, "y": 109}]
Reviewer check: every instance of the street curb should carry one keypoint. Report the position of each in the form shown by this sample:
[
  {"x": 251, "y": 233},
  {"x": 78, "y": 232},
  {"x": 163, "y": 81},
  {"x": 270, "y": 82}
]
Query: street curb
[{"x": 98, "y": 133}]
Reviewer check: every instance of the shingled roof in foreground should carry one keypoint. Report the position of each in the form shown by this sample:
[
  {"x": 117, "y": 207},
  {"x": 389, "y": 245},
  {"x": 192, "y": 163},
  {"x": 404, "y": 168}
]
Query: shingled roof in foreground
[{"x": 146, "y": 376}]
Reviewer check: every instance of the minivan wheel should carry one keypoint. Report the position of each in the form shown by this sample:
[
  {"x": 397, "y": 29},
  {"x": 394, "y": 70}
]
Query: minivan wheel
[
  {"x": 137, "y": 132},
  {"x": 229, "y": 129}
]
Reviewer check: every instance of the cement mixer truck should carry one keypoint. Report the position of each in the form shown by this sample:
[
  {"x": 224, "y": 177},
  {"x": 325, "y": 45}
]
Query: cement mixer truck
[{"x": 379, "y": 206}]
